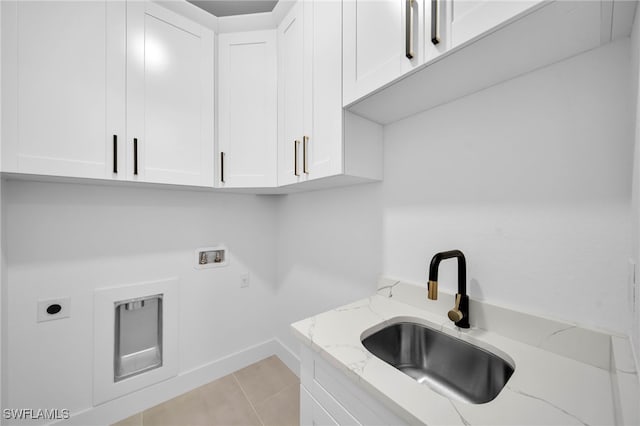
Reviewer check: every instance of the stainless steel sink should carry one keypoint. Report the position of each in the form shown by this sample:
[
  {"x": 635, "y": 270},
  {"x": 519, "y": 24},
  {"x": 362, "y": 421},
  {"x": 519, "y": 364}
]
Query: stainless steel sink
[{"x": 450, "y": 366}]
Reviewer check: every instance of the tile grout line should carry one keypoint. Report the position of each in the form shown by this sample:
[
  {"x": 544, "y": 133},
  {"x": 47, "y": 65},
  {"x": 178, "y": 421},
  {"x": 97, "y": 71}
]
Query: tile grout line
[
  {"x": 282, "y": 390},
  {"x": 247, "y": 398}
]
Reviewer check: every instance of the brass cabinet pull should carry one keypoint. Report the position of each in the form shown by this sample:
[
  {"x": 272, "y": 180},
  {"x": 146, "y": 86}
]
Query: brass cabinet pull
[
  {"x": 222, "y": 166},
  {"x": 408, "y": 30},
  {"x": 435, "y": 21},
  {"x": 305, "y": 160},
  {"x": 295, "y": 157}
]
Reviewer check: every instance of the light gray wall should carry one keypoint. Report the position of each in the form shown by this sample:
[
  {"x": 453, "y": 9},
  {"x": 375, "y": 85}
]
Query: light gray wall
[
  {"x": 330, "y": 252},
  {"x": 3, "y": 303},
  {"x": 531, "y": 179},
  {"x": 69, "y": 239},
  {"x": 635, "y": 78}
]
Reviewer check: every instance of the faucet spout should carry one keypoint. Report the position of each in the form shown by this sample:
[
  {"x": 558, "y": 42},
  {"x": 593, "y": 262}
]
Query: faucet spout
[{"x": 460, "y": 312}]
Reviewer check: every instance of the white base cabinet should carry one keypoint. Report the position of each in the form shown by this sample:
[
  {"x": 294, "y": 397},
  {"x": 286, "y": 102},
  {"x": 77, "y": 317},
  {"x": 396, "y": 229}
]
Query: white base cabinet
[
  {"x": 328, "y": 397},
  {"x": 311, "y": 412}
]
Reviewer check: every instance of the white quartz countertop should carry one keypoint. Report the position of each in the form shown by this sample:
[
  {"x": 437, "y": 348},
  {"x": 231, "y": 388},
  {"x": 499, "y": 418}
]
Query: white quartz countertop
[{"x": 545, "y": 388}]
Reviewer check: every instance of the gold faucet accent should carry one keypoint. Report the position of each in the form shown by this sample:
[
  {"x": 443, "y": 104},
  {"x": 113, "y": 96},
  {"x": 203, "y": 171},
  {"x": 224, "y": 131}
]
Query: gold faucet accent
[
  {"x": 460, "y": 312},
  {"x": 454, "y": 314},
  {"x": 432, "y": 290}
]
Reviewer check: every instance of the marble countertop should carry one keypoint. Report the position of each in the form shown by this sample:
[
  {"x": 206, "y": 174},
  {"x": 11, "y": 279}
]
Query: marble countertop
[{"x": 546, "y": 387}]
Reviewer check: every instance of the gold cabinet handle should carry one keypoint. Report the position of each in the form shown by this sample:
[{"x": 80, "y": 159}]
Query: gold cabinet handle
[
  {"x": 408, "y": 30},
  {"x": 295, "y": 157},
  {"x": 305, "y": 157}
]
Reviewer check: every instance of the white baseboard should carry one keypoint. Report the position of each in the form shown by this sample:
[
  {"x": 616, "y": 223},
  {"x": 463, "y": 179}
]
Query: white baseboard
[
  {"x": 286, "y": 355},
  {"x": 128, "y": 405}
]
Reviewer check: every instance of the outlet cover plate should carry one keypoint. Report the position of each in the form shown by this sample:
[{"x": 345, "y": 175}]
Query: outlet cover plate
[
  {"x": 244, "y": 280},
  {"x": 63, "y": 312}
]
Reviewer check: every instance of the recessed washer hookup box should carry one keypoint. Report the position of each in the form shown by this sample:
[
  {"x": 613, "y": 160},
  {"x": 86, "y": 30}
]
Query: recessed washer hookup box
[{"x": 138, "y": 336}]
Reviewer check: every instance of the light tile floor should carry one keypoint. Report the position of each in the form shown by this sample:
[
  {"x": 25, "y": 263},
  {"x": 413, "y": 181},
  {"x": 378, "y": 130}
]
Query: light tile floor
[{"x": 265, "y": 393}]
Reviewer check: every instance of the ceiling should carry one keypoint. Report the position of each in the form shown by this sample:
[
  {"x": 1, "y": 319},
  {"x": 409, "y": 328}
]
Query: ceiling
[{"x": 234, "y": 7}]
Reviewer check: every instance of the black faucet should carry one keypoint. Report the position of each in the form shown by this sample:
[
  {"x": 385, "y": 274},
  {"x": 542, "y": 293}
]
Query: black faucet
[{"x": 460, "y": 312}]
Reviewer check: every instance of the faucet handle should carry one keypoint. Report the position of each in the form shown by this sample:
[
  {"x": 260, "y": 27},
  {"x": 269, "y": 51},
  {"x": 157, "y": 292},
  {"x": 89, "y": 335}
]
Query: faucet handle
[{"x": 454, "y": 314}]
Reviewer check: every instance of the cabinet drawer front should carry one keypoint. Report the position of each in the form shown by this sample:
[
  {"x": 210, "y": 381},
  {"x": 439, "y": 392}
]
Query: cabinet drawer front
[
  {"x": 362, "y": 408},
  {"x": 333, "y": 407},
  {"x": 311, "y": 412}
]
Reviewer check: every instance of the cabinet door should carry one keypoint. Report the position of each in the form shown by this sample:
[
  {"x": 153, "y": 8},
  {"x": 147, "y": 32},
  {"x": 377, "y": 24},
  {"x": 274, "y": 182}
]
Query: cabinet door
[
  {"x": 291, "y": 100},
  {"x": 63, "y": 87},
  {"x": 169, "y": 97},
  {"x": 247, "y": 108},
  {"x": 312, "y": 413},
  {"x": 323, "y": 150},
  {"x": 471, "y": 18},
  {"x": 376, "y": 44}
]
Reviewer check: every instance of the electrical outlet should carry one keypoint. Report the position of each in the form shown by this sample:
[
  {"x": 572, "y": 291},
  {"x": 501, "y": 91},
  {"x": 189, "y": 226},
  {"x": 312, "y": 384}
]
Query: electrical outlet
[
  {"x": 52, "y": 309},
  {"x": 244, "y": 280}
]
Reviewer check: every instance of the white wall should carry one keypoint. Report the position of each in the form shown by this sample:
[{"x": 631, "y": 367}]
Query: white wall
[
  {"x": 2, "y": 268},
  {"x": 68, "y": 239},
  {"x": 635, "y": 79},
  {"x": 329, "y": 252},
  {"x": 531, "y": 179},
  {"x": 3, "y": 303}
]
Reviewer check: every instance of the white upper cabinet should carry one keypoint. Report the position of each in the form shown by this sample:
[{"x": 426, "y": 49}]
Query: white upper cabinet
[
  {"x": 316, "y": 139},
  {"x": 73, "y": 73},
  {"x": 470, "y": 18},
  {"x": 247, "y": 109},
  {"x": 322, "y": 149},
  {"x": 292, "y": 105},
  {"x": 310, "y": 83},
  {"x": 491, "y": 42},
  {"x": 383, "y": 39},
  {"x": 63, "y": 82},
  {"x": 170, "y": 97}
]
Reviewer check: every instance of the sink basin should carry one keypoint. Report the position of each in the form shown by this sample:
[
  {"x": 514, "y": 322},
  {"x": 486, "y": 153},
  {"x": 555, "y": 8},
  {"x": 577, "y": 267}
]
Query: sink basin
[{"x": 450, "y": 366}]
